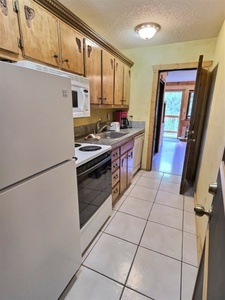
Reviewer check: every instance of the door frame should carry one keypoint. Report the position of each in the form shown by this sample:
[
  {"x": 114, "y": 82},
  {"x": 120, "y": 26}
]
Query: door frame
[{"x": 156, "y": 70}]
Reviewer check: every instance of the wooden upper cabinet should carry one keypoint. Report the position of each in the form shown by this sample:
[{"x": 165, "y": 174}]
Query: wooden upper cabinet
[
  {"x": 126, "y": 85},
  {"x": 71, "y": 49},
  {"x": 93, "y": 70},
  {"x": 107, "y": 77},
  {"x": 9, "y": 28},
  {"x": 118, "y": 88},
  {"x": 39, "y": 32}
]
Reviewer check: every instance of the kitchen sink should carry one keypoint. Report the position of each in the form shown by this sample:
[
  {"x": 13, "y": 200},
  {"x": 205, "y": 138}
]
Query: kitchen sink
[{"x": 111, "y": 135}]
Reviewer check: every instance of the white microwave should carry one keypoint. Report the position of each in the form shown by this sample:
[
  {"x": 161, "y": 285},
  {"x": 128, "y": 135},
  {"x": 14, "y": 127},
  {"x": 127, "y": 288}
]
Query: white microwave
[
  {"x": 79, "y": 86},
  {"x": 80, "y": 97}
]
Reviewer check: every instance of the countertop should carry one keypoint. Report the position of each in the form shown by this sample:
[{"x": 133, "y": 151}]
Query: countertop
[{"x": 130, "y": 134}]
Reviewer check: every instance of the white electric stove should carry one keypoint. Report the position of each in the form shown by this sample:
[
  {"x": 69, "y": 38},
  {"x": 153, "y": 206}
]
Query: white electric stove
[
  {"x": 85, "y": 152},
  {"x": 94, "y": 181}
]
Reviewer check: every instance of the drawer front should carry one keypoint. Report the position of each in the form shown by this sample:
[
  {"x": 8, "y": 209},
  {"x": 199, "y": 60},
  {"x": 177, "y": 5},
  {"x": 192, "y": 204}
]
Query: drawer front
[
  {"x": 115, "y": 154},
  {"x": 115, "y": 177},
  {"x": 124, "y": 148},
  {"x": 115, "y": 192},
  {"x": 115, "y": 165}
]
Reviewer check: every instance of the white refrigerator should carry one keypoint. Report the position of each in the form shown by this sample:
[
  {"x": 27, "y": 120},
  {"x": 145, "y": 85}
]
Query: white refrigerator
[{"x": 39, "y": 220}]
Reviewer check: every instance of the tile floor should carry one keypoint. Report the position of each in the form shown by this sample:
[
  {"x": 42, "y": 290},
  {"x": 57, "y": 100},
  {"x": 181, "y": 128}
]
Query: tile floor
[{"x": 146, "y": 250}]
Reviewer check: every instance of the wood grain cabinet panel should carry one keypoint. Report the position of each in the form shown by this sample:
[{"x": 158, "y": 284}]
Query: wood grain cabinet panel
[
  {"x": 93, "y": 54},
  {"x": 115, "y": 192},
  {"x": 118, "y": 88},
  {"x": 71, "y": 43},
  {"x": 9, "y": 29},
  {"x": 107, "y": 77},
  {"x": 39, "y": 33}
]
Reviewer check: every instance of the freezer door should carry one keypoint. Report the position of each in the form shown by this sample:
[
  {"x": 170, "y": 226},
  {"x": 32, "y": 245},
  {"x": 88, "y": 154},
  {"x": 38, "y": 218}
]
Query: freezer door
[
  {"x": 36, "y": 123},
  {"x": 39, "y": 236}
]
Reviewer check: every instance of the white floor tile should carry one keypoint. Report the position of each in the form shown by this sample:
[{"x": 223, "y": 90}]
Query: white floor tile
[
  {"x": 166, "y": 216},
  {"x": 155, "y": 275},
  {"x": 126, "y": 227},
  {"x": 135, "y": 179},
  {"x": 170, "y": 187},
  {"x": 93, "y": 286},
  {"x": 152, "y": 174},
  {"x": 190, "y": 249},
  {"x": 131, "y": 295},
  {"x": 127, "y": 192},
  {"x": 148, "y": 182},
  {"x": 143, "y": 193},
  {"x": 163, "y": 239},
  {"x": 136, "y": 207},
  {"x": 171, "y": 178},
  {"x": 112, "y": 257},
  {"x": 189, "y": 274},
  {"x": 169, "y": 199},
  {"x": 189, "y": 222},
  {"x": 119, "y": 202}
]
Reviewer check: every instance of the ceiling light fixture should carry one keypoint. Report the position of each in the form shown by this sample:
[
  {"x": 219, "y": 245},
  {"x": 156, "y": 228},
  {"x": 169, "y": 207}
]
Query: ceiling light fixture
[{"x": 147, "y": 30}]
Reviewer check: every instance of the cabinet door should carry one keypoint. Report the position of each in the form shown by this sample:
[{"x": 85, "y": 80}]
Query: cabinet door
[
  {"x": 9, "y": 29},
  {"x": 123, "y": 172},
  {"x": 71, "y": 49},
  {"x": 126, "y": 87},
  {"x": 129, "y": 166},
  {"x": 93, "y": 70},
  {"x": 40, "y": 33},
  {"x": 118, "y": 88},
  {"x": 107, "y": 77}
]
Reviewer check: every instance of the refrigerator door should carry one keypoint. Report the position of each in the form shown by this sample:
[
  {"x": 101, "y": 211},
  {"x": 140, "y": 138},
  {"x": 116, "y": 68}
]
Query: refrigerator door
[
  {"x": 36, "y": 122},
  {"x": 39, "y": 236}
]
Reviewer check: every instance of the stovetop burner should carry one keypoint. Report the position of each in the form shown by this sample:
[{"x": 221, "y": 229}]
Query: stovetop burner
[
  {"x": 90, "y": 148},
  {"x": 77, "y": 145}
]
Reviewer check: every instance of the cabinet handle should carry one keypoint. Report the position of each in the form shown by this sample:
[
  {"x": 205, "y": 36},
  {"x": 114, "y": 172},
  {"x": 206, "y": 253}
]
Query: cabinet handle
[
  {"x": 66, "y": 60},
  {"x": 115, "y": 166},
  {"x": 116, "y": 191},
  {"x": 115, "y": 154},
  {"x": 111, "y": 61},
  {"x": 131, "y": 155},
  {"x": 89, "y": 50},
  {"x": 116, "y": 176},
  {"x": 55, "y": 55},
  {"x": 78, "y": 41},
  {"x": 29, "y": 15}
]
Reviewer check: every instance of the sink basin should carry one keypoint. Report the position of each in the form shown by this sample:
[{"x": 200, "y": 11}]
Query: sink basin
[{"x": 111, "y": 135}]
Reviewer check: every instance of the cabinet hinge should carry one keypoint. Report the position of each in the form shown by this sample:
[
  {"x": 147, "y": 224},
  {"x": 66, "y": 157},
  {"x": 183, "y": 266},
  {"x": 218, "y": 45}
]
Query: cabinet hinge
[
  {"x": 15, "y": 6},
  {"x": 20, "y": 43}
]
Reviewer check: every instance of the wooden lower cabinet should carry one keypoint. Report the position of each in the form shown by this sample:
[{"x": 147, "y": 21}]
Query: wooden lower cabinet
[{"x": 122, "y": 168}]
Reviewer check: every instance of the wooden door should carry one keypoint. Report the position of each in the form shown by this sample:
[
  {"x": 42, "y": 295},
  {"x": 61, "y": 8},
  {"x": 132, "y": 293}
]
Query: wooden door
[
  {"x": 158, "y": 116},
  {"x": 93, "y": 70},
  {"x": 71, "y": 49},
  {"x": 107, "y": 77},
  {"x": 9, "y": 28},
  {"x": 196, "y": 128},
  {"x": 39, "y": 33},
  {"x": 210, "y": 283},
  {"x": 118, "y": 88},
  {"x": 126, "y": 85}
]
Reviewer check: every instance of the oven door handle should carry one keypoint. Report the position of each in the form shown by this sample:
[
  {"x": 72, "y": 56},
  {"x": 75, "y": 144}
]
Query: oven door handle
[{"x": 94, "y": 167}]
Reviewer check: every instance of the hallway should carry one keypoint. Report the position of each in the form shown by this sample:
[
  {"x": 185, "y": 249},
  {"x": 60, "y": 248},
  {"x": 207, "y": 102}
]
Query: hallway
[
  {"x": 170, "y": 158},
  {"x": 147, "y": 249}
]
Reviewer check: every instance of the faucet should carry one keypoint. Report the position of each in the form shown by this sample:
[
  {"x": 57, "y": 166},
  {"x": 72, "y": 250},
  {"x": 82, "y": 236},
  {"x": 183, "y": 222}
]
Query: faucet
[{"x": 99, "y": 129}]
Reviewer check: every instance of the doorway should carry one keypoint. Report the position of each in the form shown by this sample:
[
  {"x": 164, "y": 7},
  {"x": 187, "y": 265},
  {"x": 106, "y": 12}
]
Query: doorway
[{"x": 172, "y": 120}]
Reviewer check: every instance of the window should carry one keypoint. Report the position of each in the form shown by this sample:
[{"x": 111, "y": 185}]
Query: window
[
  {"x": 173, "y": 101},
  {"x": 190, "y": 103}
]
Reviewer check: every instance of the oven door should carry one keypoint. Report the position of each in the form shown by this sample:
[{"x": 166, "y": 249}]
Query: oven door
[{"x": 94, "y": 188}]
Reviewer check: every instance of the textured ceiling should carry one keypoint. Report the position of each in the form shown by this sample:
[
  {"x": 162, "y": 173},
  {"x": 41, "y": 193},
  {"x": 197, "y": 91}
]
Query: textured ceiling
[{"x": 180, "y": 20}]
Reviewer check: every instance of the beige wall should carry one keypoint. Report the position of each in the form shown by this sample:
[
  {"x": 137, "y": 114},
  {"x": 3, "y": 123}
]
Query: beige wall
[
  {"x": 142, "y": 73},
  {"x": 214, "y": 141}
]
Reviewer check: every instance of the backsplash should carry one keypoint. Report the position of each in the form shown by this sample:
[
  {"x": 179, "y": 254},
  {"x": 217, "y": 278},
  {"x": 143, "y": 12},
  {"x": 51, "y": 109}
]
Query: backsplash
[{"x": 84, "y": 130}]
